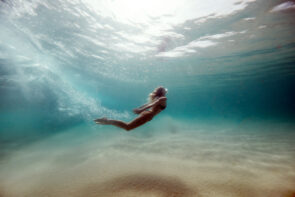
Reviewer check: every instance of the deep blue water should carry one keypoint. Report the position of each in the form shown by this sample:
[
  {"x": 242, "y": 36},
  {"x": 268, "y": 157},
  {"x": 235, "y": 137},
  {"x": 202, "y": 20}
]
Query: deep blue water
[{"x": 64, "y": 63}]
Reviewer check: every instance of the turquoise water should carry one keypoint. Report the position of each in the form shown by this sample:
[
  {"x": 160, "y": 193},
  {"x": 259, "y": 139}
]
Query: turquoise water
[{"x": 229, "y": 67}]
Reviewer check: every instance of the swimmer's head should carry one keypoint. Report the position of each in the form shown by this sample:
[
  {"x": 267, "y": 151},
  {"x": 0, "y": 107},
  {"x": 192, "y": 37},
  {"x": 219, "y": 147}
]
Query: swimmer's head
[
  {"x": 161, "y": 91},
  {"x": 158, "y": 92}
]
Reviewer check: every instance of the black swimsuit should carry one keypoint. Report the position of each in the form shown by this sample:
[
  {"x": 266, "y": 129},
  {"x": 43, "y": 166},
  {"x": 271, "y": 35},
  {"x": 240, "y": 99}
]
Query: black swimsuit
[{"x": 162, "y": 107}]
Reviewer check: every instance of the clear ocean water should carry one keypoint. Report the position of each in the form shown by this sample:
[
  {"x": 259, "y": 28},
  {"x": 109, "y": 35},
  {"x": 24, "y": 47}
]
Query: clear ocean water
[{"x": 228, "y": 129}]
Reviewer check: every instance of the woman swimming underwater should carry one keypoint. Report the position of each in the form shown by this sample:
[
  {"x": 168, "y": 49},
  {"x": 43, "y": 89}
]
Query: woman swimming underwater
[{"x": 157, "y": 103}]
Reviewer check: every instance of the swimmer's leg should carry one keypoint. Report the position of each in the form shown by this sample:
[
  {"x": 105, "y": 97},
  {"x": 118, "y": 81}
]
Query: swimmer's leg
[
  {"x": 117, "y": 123},
  {"x": 140, "y": 120},
  {"x": 100, "y": 120}
]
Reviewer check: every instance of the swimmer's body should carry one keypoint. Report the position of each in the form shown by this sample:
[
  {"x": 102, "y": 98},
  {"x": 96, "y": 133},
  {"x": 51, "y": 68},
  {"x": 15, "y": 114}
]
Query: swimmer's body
[{"x": 146, "y": 112}]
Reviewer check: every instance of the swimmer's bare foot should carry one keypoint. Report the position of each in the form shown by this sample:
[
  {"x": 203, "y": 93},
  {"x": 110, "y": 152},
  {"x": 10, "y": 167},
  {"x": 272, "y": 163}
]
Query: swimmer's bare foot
[{"x": 103, "y": 120}]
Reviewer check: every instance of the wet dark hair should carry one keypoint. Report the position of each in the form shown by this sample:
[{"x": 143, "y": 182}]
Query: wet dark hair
[{"x": 157, "y": 93}]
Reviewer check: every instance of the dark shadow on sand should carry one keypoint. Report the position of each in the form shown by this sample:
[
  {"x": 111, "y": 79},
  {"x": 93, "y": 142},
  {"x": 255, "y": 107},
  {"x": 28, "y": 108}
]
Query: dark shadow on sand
[
  {"x": 149, "y": 184},
  {"x": 291, "y": 194}
]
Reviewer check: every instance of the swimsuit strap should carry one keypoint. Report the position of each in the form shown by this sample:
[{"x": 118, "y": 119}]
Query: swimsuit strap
[{"x": 162, "y": 107}]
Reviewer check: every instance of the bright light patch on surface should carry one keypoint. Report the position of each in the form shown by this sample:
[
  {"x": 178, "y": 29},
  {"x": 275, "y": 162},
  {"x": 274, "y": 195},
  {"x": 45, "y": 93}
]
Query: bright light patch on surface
[
  {"x": 165, "y": 11},
  {"x": 149, "y": 26},
  {"x": 218, "y": 36},
  {"x": 201, "y": 44},
  {"x": 140, "y": 11},
  {"x": 188, "y": 49},
  {"x": 250, "y": 19},
  {"x": 284, "y": 6}
]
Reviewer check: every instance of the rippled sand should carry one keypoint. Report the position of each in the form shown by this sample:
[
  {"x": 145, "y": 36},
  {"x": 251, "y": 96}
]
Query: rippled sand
[{"x": 201, "y": 161}]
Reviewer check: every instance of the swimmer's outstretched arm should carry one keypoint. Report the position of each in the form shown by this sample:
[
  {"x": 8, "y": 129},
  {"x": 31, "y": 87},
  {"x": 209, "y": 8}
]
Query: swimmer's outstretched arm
[
  {"x": 143, "y": 106},
  {"x": 148, "y": 105}
]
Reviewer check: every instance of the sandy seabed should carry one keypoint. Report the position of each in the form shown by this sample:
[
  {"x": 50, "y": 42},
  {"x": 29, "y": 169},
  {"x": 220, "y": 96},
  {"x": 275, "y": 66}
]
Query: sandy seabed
[{"x": 202, "y": 161}]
